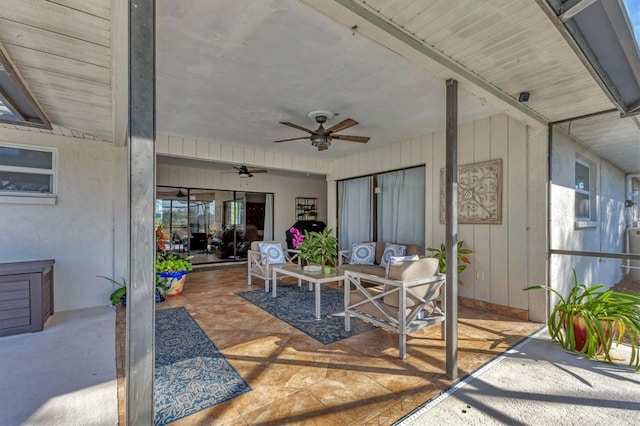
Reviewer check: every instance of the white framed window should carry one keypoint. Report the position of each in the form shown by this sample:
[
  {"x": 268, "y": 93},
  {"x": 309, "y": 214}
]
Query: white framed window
[
  {"x": 585, "y": 196},
  {"x": 27, "y": 170}
]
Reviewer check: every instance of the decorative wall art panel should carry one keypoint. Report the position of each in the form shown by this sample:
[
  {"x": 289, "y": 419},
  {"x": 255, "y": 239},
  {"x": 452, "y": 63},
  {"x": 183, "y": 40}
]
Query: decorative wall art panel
[{"x": 479, "y": 193}]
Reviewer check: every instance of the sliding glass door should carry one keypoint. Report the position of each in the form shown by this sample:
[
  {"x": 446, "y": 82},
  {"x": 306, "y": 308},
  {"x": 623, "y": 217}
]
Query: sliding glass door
[
  {"x": 213, "y": 225},
  {"x": 387, "y": 207}
]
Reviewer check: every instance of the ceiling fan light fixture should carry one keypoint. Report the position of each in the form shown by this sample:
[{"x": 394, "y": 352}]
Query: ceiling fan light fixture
[{"x": 244, "y": 175}]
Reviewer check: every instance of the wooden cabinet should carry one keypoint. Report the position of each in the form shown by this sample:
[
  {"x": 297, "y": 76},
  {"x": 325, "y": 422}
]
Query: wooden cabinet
[
  {"x": 306, "y": 208},
  {"x": 26, "y": 296}
]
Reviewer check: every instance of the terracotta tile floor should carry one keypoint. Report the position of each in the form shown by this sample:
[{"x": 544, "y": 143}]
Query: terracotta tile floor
[{"x": 297, "y": 380}]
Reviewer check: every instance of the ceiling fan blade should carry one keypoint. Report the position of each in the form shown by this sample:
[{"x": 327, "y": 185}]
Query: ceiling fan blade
[
  {"x": 349, "y": 138},
  {"x": 292, "y": 139},
  {"x": 344, "y": 124},
  {"x": 237, "y": 168},
  {"x": 295, "y": 126},
  {"x": 259, "y": 171}
]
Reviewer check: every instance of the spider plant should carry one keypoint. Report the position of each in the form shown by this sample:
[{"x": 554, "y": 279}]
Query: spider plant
[{"x": 590, "y": 319}]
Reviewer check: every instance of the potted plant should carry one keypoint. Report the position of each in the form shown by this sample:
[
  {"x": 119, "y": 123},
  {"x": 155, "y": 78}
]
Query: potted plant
[
  {"x": 319, "y": 248},
  {"x": 173, "y": 268},
  {"x": 120, "y": 294},
  {"x": 441, "y": 255},
  {"x": 589, "y": 319}
]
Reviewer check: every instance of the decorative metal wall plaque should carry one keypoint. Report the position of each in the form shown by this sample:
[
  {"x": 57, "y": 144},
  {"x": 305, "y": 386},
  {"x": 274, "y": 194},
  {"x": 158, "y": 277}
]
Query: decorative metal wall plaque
[{"x": 479, "y": 193}]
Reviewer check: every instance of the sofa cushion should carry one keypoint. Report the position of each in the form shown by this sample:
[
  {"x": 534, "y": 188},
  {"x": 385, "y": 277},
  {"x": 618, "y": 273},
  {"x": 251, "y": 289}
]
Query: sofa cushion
[
  {"x": 409, "y": 271},
  {"x": 363, "y": 269},
  {"x": 391, "y": 250},
  {"x": 363, "y": 254}
]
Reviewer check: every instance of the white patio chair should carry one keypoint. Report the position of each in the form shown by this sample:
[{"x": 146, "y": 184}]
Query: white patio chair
[
  {"x": 403, "y": 303},
  {"x": 259, "y": 264}
]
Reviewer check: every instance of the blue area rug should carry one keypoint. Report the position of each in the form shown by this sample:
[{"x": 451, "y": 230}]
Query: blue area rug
[
  {"x": 296, "y": 306},
  {"x": 190, "y": 372}
]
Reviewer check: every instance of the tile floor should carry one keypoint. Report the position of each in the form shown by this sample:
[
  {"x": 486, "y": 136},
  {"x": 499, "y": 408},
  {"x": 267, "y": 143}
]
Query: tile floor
[{"x": 297, "y": 380}]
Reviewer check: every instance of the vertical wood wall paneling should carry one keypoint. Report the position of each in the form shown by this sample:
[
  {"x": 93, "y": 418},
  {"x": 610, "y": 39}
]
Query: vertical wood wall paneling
[
  {"x": 498, "y": 243},
  {"x": 259, "y": 157},
  {"x": 466, "y": 148},
  {"x": 277, "y": 160},
  {"x": 537, "y": 147},
  {"x": 439, "y": 148},
  {"x": 249, "y": 156},
  {"x": 396, "y": 151},
  {"x": 189, "y": 147},
  {"x": 426, "y": 156},
  {"x": 226, "y": 153},
  {"x": 202, "y": 150},
  {"x": 175, "y": 145},
  {"x": 405, "y": 154},
  {"x": 215, "y": 151},
  {"x": 237, "y": 154},
  {"x": 517, "y": 213},
  {"x": 162, "y": 144},
  {"x": 268, "y": 159},
  {"x": 481, "y": 258}
]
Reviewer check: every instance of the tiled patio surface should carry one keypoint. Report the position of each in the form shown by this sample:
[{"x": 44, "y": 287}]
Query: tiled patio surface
[{"x": 297, "y": 380}]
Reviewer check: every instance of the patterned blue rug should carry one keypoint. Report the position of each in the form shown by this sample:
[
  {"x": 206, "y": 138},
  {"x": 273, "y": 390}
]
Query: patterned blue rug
[
  {"x": 296, "y": 306},
  {"x": 190, "y": 372}
]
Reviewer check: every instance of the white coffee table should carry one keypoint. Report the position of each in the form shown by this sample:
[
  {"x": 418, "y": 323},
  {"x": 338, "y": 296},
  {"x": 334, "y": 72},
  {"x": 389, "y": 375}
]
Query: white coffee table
[{"x": 314, "y": 279}]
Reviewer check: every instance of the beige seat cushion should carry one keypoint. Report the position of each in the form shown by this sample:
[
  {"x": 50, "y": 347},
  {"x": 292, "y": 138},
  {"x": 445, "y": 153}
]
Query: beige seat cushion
[{"x": 363, "y": 269}]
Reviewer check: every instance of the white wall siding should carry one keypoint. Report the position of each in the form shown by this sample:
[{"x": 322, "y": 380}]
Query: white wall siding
[
  {"x": 177, "y": 146},
  {"x": 606, "y": 233},
  {"x": 502, "y": 253},
  {"x": 85, "y": 231}
]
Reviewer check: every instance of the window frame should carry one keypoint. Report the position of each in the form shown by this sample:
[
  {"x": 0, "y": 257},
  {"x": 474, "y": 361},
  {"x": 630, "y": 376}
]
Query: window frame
[
  {"x": 591, "y": 194},
  {"x": 26, "y": 196}
]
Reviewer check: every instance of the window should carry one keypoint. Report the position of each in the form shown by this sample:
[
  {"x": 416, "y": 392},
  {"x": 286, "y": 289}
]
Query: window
[
  {"x": 585, "y": 196},
  {"x": 27, "y": 171}
]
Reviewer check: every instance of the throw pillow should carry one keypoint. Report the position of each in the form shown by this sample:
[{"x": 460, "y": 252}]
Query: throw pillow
[
  {"x": 395, "y": 260},
  {"x": 363, "y": 254},
  {"x": 391, "y": 250},
  {"x": 273, "y": 252}
]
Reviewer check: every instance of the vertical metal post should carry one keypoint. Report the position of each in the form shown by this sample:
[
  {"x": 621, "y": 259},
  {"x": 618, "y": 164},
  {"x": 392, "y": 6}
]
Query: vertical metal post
[
  {"x": 141, "y": 289},
  {"x": 451, "y": 220}
]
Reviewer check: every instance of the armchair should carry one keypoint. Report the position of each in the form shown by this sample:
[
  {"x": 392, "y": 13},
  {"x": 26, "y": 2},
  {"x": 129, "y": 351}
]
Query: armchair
[
  {"x": 402, "y": 303},
  {"x": 259, "y": 264}
]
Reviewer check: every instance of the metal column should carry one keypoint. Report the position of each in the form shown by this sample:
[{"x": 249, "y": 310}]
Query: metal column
[
  {"x": 451, "y": 220},
  {"x": 141, "y": 289}
]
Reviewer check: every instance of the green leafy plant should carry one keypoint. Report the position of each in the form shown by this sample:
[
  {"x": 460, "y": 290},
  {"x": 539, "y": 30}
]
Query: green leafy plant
[
  {"x": 120, "y": 293},
  {"x": 590, "y": 319},
  {"x": 319, "y": 248},
  {"x": 172, "y": 262},
  {"x": 441, "y": 255}
]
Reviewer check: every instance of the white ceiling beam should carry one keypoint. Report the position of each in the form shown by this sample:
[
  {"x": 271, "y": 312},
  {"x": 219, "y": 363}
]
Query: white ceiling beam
[
  {"x": 366, "y": 22},
  {"x": 119, "y": 71},
  {"x": 573, "y": 7}
]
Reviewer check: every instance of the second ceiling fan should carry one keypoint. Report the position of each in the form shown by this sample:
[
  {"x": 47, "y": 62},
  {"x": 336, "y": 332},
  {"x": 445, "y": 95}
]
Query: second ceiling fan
[{"x": 321, "y": 137}]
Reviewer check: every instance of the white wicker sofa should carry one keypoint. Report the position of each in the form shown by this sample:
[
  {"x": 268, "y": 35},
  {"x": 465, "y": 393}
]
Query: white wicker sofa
[{"x": 402, "y": 303}]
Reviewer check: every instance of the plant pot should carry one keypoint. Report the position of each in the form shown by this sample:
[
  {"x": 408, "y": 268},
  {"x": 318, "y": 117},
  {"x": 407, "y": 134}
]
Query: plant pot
[
  {"x": 159, "y": 298},
  {"x": 326, "y": 269},
  {"x": 175, "y": 282},
  {"x": 580, "y": 333}
]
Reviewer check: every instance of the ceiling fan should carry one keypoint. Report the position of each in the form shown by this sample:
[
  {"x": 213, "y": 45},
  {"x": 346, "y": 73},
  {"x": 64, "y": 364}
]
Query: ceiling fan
[
  {"x": 244, "y": 172},
  {"x": 321, "y": 137}
]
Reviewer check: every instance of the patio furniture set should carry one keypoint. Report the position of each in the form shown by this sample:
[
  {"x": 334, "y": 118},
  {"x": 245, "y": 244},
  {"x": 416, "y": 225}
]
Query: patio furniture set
[{"x": 398, "y": 293}]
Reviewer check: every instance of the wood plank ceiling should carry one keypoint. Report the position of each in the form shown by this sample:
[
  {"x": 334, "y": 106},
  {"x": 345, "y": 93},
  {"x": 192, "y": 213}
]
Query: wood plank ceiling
[
  {"x": 515, "y": 47},
  {"x": 62, "y": 48}
]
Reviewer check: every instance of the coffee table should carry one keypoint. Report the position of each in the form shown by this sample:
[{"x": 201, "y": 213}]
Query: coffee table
[{"x": 314, "y": 279}]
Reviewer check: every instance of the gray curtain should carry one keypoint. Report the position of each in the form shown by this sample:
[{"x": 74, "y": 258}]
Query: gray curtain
[
  {"x": 400, "y": 206},
  {"x": 355, "y": 215}
]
